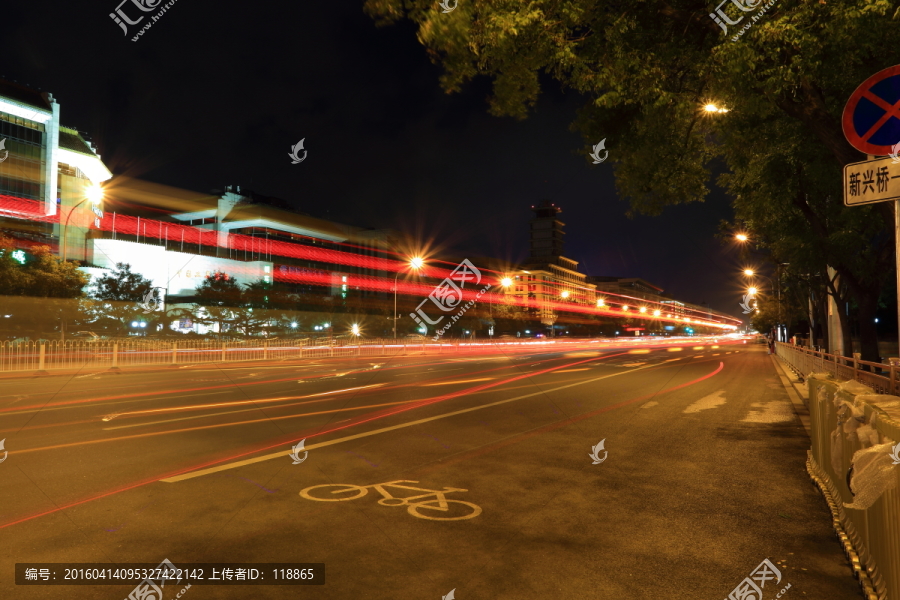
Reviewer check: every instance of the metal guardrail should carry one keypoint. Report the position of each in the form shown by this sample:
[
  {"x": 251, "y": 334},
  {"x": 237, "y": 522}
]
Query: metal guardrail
[
  {"x": 880, "y": 377},
  {"x": 871, "y": 537},
  {"x": 79, "y": 354}
]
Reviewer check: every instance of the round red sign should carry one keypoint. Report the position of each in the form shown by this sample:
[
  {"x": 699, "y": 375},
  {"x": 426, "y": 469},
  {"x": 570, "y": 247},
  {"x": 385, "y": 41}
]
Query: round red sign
[{"x": 871, "y": 119}]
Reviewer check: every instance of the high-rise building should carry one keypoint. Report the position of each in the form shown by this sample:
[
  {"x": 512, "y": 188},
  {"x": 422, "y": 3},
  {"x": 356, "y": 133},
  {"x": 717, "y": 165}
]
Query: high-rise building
[{"x": 548, "y": 277}]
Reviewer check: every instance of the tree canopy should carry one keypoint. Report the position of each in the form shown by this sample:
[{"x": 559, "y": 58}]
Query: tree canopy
[{"x": 646, "y": 69}]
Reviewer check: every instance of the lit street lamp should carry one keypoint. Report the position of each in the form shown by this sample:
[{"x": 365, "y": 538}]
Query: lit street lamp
[
  {"x": 415, "y": 264},
  {"x": 505, "y": 282},
  {"x": 94, "y": 193}
]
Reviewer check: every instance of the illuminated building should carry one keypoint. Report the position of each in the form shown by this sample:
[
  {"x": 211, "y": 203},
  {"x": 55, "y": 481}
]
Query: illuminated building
[
  {"x": 548, "y": 276},
  {"x": 49, "y": 165}
]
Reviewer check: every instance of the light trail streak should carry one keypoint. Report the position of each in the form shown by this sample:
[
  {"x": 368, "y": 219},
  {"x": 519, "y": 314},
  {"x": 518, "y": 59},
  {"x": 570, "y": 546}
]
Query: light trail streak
[{"x": 192, "y": 470}]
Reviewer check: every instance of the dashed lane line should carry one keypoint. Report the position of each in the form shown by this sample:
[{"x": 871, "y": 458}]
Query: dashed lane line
[{"x": 274, "y": 455}]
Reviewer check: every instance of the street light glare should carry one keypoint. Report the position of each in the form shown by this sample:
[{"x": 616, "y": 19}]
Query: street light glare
[
  {"x": 752, "y": 291},
  {"x": 94, "y": 193},
  {"x": 565, "y": 293},
  {"x": 600, "y": 302},
  {"x": 416, "y": 263},
  {"x": 506, "y": 282},
  {"x": 741, "y": 237},
  {"x": 711, "y": 108},
  {"x": 748, "y": 271},
  {"x": 354, "y": 329}
]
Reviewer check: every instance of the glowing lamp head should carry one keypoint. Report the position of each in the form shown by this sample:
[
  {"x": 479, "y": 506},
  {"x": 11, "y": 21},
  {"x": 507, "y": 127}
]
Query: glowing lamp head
[
  {"x": 656, "y": 313},
  {"x": 600, "y": 302},
  {"x": 741, "y": 237},
  {"x": 643, "y": 309},
  {"x": 506, "y": 282},
  {"x": 625, "y": 307},
  {"x": 416, "y": 263},
  {"x": 752, "y": 291},
  {"x": 94, "y": 193},
  {"x": 748, "y": 272},
  {"x": 565, "y": 293},
  {"x": 711, "y": 108},
  {"x": 354, "y": 329}
]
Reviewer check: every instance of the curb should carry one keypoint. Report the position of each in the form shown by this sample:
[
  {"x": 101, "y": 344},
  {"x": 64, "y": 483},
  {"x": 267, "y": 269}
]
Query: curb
[{"x": 800, "y": 407}]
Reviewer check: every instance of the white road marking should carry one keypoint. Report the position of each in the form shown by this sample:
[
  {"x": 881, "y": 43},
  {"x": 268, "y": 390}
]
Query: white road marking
[
  {"x": 265, "y": 457},
  {"x": 769, "y": 412},
  {"x": 650, "y": 404},
  {"x": 458, "y": 381},
  {"x": 712, "y": 401}
]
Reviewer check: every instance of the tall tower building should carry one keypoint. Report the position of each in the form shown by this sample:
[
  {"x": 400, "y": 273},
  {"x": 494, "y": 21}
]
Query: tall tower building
[
  {"x": 549, "y": 281},
  {"x": 546, "y": 231}
]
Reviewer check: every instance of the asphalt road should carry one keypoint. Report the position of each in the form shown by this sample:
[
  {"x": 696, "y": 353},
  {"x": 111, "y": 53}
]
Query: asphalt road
[{"x": 703, "y": 476}]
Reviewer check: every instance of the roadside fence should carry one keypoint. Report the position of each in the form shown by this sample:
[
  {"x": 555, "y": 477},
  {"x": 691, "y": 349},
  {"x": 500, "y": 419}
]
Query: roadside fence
[
  {"x": 855, "y": 426},
  {"x": 138, "y": 352},
  {"x": 880, "y": 377}
]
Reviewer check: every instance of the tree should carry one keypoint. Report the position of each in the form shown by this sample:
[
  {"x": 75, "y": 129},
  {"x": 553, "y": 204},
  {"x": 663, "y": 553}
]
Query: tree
[
  {"x": 119, "y": 295},
  {"x": 41, "y": 295},
  {"x": 646, "y": 69},
  {"x": 219, "y": 302}
]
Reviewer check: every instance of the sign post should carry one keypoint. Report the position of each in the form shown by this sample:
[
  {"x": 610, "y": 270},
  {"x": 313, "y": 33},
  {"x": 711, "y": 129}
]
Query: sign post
[{"x": 871, "y": 123}]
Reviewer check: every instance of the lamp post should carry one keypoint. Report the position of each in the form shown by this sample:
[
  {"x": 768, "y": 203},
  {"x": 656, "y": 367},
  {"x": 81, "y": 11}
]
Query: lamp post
[
  {"x": 751, "y": 273},
  {"x": 95, "y": 195},
  {"x": 415, "y": 263},
  {"x": 505, "y": 282}
]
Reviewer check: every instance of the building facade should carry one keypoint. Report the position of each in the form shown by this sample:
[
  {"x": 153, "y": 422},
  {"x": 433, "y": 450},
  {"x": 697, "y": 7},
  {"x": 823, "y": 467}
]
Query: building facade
[
  {"x": 46, "y": 170},
  {"x": 548, "y": 278}
]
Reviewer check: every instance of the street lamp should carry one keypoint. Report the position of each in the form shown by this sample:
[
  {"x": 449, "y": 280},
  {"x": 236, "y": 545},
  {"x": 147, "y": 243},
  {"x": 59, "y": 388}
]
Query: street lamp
[
  {"x": 94, "y": 193},
  {"x": 415, "y": 264},
  {"x": 505, "y": 282},
  {"x": 565, "y": 293},
  {"x": 777, "y": 288},
  {"x": 712, "y": 108},
  {"x": 741, "y": 237}
]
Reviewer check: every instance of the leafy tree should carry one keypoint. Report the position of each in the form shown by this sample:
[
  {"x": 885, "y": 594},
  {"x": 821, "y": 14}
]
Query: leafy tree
[
  {"x": 219, "y": 302},
  {"x": 119, "y": 295},
  {"x": 645, "y": 69},
  {"x": 42, "y": 295}
]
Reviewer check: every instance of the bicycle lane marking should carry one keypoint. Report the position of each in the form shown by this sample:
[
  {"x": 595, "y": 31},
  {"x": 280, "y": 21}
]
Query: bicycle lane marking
[
  {"x": 412, "y": 507},
  {"x": 274, "y": 455},
  {"x": 195, "y": 473}
]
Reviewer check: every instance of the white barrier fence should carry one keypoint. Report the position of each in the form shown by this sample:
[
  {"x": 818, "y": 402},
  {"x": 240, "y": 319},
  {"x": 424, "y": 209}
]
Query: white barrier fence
[{"x": 109, "y": 354}]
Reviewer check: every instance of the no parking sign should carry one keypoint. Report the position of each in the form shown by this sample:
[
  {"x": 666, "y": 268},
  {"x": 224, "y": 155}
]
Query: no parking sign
[{"x": 871, "y": 119}]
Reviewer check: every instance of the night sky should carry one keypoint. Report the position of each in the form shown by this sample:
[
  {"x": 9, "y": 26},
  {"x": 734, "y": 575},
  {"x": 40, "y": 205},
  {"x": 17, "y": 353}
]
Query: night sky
[{"x": 217, "y": 93}]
